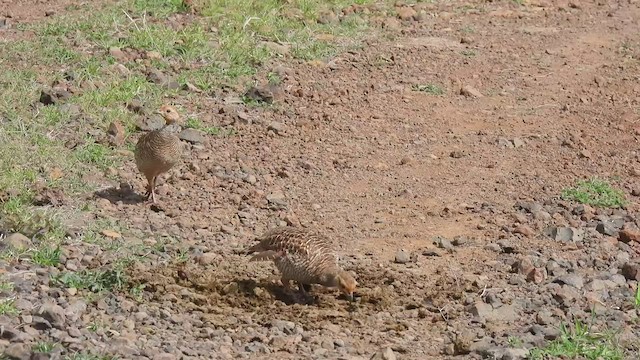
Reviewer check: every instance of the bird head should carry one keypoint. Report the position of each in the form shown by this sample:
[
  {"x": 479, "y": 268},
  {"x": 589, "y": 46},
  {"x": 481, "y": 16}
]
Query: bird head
[
  {"x": 346, "y": 283},
  {"x": 169, "y": 113}
]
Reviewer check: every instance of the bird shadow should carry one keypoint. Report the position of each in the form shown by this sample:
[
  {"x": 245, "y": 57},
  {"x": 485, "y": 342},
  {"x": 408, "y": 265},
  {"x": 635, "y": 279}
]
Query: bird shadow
[
  {"x": 124, "y": 193},
  {"x": 289, "y": 297}
]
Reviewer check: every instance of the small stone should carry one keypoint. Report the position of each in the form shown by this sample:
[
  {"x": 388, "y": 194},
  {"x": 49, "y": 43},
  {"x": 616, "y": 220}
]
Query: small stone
[
  {"x": 470, "y": 91},
  {"x": 117, "y": 133},
  {"x": 574, "y": 280},
  {"x": 406, "y": 160},
  {"x": 631, "y": 271},
  {"x": 515, "y": 354},
  {"x": 384, "y": 354},
  {"x": 537, "y": 276},
  {"x": 606, "y": 228},
  {"x": 402, "y": 257},
  {"x": 517, "y": 142},
  {"x": 276, "y": 127},
  {"x": 17, "y": 351},
  {"x": 158, "y": 78},
  {"x": 406, "y": 13},
  {"x": 118, "y": 54},
  {"x": 54, "y": 314},
  {"x": 276, "y": 48},
  {"x": 524, "y": 230},
  {"x": 136, "y": 106},
  {"x": 444, "y": 243},
  {"x": 565, "y": 234},
  {"x": 262, "y": 94},
  {"x": 153, "y": 55},
  {"x": 111, "y": 234},
  {"x": 208, "y": 258},
  {"x": 16, "y": 241},
  {"x": 629, "y": 235},
  {"x": 193, "y": 136}
]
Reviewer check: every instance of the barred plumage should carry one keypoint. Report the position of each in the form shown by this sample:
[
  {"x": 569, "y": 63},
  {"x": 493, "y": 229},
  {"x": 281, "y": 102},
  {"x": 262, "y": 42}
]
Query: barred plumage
[
  {"x": 303, "y": 256},
  {"x": 159, "y": 150}
]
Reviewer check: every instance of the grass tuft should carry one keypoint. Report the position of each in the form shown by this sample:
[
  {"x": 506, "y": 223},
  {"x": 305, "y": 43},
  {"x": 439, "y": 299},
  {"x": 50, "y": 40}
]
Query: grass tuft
[
  {"x": 595, "y": 192},
  {"x": 7, "y": 307},
  {"x": 432, "y": 89},
  {"x": 578, "y": 342}
]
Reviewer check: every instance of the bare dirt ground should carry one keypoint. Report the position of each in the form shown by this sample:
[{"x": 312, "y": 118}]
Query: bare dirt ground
[{"x": 446, "y": 206}]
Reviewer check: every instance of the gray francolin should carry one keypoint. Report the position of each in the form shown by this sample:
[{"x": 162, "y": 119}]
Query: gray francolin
[
  {"x": 159, "y": 150},
  {"x": 303, "y": 256}
]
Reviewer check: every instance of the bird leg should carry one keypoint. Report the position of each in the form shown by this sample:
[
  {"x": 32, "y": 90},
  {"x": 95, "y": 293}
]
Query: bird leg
[{"x": 151, "y": 194}]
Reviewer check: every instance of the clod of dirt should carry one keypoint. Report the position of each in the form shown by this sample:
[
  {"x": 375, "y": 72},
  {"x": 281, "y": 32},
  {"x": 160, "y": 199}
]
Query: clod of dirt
[
  {"x": 159, "y": 78},
  {"x": 193, "y": 136},
  {"x": 53, "y": 96},
  {"x": 470, "y": 91},
  {"x": 116, "y": 133}
]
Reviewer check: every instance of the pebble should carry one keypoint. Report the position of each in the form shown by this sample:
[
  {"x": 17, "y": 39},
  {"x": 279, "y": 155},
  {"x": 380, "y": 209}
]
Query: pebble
[{"x": 402, "y": 257}]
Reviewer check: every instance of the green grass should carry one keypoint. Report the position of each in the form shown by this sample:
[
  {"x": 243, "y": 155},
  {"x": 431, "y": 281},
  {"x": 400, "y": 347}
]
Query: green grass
[
  {"x": 7, "y": 307},
  {"x": 92, "y": 280},
  {"x": 432, "y": 89},
  {"x": 44, "y": 347},
  {"x": 6, "y": 286},
  {"x": 194, "y": 123},
  {"x": 46, "y": 256},
  {"x": 636, "y": 299},
  {"x": 595, "y": 192},
  {"x": 579, "y": 342},
  {"x": 89, "y": 356}
]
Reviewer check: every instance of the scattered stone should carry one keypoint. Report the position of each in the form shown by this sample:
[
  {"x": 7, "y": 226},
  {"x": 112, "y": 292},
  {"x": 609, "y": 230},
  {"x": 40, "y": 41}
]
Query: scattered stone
[
  {"x": 524, "y": 230},
  {"x": 607, "y": 228},
  {"x": 53, "y": 313},
  {"x": 193, "y": 136},
  {"x": 116, "y": 133},
  {"x": 517, "y": 142},
  {"x": 153, "y": 122},
  {"x": 402, "y": 257},
  {"x": 277, "y": 48},
  {"x": 470, "y": 91},
  {"x": 277, "y": 127},
  {"x": 574, "y": 280},
  {"x": 565, "y": 234},
  {"x": 136, "y": 106},
  {"x": 444, "y": 243},
  {"x": 53, "y": 96},
  {"x": 629, "y": 236},
  {"x": 158, "y": 78},
  {"x": 631, "y": 271},
  {"x": 111, "y": 234},
  {"x": 384, "y": 354},
  {"x": 17, "y": 351},
  {"x": 118, "y": 54},
  {"x": 262, "y": 94},
  {"x": 406, "y": 13},
  {"x": 16, "y": 241}
]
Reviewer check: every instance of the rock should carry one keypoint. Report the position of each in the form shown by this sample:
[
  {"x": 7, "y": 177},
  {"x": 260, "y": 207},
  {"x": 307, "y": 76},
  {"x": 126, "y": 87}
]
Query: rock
[
  {"x": 327, "y": 17},
  {"x": 262, "y": 94},
  {"x": 17, "y": 352},
  {"x": 164, "y": 356},
  {"x": 384, "y": 354},
  {"x": 193, "y": 136},
  {"x": 515, "y": 354},
  {"x": 153, "y": 55},
  {"x": 631, "y": 271},
  {"x": 470, "y": 91},
  {"x": 574, "y": 280},
  {"x": 53, "y": 96},
  {"x": 118, "y": 54},
  {"x": 524, "y": 230},
  {"x": 537, "y": 276},
  {"x": 607, "y": 228},
  {"x": 565, "y": 234},
  {"x": 16, "y": 241},
  {"x": 629, "y": 235},
  {"x": 406, "y": 13},
  {"x": 136, "y": 106},
  {"x": 517, "y": 142},
  {"x": 444, "y": 243},
  {"x": 154, "y": 122},
  {"x": 402, "y": 257},
  {"x": 11, "y": 334},
  {"x": 53, "y": 313},
  {"x": 75, "y": 310},
  {"x": 277, "y": 127},
  {"x": 208, "y": 258},
  {"x": 157, "y": 77},
  {"x": 505, "y": 313},
  {"x": 566, "y": 295},
  {"x": 116, "y": 133},
  {"x": 111, "y": 234},
  {"x": 191, "y": 87},
  {"x": 276, "y": 48}
]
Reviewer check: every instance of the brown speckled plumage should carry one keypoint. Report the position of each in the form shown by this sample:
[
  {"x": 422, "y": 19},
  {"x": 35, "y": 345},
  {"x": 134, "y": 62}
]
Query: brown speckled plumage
[
  {"x": 159, "y": 150},
  {"x": 303, "y": 256}
]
